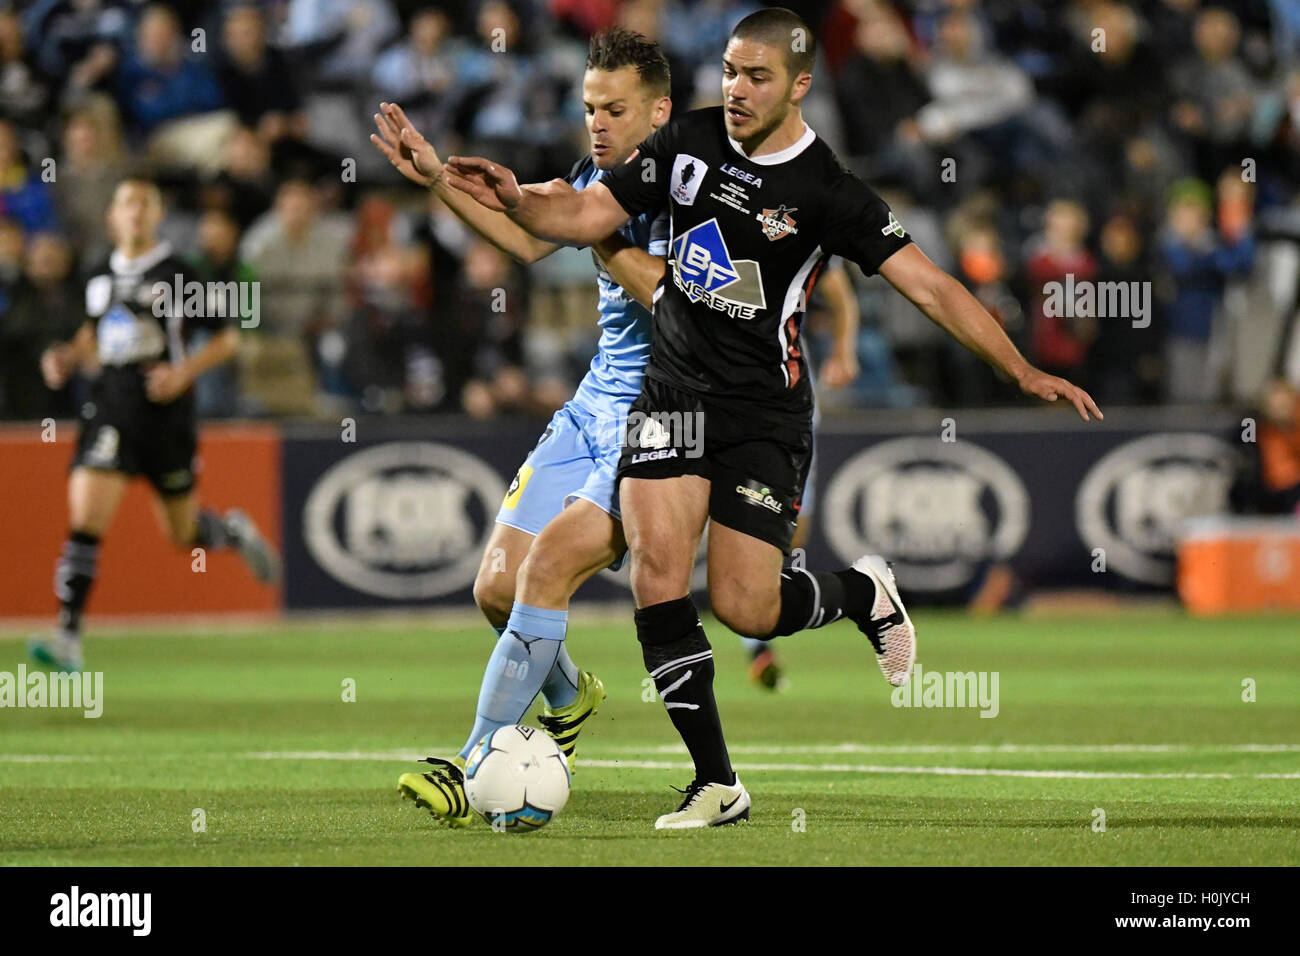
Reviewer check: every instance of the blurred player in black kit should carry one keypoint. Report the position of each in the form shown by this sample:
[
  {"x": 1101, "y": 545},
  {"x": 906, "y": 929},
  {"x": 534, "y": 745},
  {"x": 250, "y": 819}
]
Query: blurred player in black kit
[{"x": 140, "y": 419}]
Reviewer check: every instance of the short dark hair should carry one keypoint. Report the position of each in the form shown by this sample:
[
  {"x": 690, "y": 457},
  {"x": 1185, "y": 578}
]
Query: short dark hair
[
  {"x": 779, "y": 27},
  {"x": 616, "y": 48}
]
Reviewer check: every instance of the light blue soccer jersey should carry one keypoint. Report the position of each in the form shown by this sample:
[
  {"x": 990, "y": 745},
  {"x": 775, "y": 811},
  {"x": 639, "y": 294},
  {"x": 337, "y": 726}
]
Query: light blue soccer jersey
[
  {"x": 614, "y": 378},
  {"x": 577, "y": 455}
]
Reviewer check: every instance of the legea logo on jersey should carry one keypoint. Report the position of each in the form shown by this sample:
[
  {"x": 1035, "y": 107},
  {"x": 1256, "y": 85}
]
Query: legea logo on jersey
[
  {"x": 404, "y": 520},
  {"x": 688, "y": 173},
  {"x": 705, "y": 272}
]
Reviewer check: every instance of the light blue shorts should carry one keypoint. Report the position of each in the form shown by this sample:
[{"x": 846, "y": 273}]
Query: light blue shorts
[{"x": 576, "y": 457}]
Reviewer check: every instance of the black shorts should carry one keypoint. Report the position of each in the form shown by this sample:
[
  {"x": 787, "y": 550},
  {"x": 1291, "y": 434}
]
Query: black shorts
[
  {"x": 123, "y": 431},
  {"x": 756, "y": 465}
]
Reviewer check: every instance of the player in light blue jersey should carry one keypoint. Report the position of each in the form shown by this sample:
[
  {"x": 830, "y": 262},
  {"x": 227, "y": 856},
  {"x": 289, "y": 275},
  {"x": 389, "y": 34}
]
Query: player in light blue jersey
[{"x": 560, "y": 521}]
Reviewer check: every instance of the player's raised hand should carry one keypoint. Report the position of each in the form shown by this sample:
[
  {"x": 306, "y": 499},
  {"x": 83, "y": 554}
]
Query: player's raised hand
[
  {"x": 490, "y": 184},
  {"x": 1050, "y": 388},
  {"x": 410, "y": 153}
]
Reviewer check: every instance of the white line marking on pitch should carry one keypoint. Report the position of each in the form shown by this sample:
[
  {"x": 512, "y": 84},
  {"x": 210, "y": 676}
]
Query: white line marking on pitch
[
  {"x": 823, "y": 768},
  {"x": 941, "y": 771}
]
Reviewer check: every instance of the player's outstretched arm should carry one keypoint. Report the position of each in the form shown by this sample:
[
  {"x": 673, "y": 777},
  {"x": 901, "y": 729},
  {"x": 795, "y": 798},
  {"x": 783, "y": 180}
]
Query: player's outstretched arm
[
  {"x": 948, "y": 303},
  {"x": 637, "y": 271},
  {"x": 544, "y": 210},
  {"x": 415, "y": 158}
]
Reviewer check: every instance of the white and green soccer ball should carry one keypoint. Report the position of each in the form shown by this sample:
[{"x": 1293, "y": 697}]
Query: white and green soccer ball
[{"x": 516, "y": 778}]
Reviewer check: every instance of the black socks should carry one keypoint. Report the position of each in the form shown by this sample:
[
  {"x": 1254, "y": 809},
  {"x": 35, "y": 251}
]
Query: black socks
[
  {"x": 211, "y": 532},
  {"x": 74, "y": 573},
  {"x": 679, "y": 659},
  {"x": 811, "y": 599}
]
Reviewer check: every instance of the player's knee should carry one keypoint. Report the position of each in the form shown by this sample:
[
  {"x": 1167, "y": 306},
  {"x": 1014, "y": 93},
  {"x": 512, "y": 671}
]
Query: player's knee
[
  {"x": 494, "y": 593},
  {"x": 655, "y": 580}
]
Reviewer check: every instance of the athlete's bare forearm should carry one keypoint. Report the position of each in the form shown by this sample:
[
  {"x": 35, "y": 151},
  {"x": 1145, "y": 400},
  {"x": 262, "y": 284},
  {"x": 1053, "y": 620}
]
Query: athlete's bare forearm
[
  {"x": 496, "y": 227},
  {"x": 637, "y": 271}
]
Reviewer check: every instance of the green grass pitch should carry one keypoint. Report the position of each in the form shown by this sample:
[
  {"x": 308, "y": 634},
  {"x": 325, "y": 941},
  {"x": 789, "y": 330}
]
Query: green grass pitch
[{"x": 1138, "y": 714}]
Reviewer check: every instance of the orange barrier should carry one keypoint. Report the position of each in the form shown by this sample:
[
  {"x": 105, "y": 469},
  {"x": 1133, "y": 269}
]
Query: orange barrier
[
  {"x": 139, "y": 570},
  {"x": 1230, "y": 565}
]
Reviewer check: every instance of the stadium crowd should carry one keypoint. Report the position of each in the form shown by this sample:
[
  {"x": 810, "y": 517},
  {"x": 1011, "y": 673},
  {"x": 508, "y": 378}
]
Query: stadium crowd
[{"x": 1154, "y": 143}]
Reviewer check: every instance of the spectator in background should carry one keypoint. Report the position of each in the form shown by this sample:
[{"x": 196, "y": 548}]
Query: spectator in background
[
  {"x": 24, "y": 196},
  {"x": 978, "y": 107},
  {"x": 1279, "y": 449},
  {"x": 23, "y": 93},
  {"x": 216, "y": 391},
  {"x": 389, "y": 363},
  {"x": 90, "y": 168},
  {"x": 1123, "y": 362},
  {"x": 256, "y": 79},
  {"x": 13, "y": 242},
  {"x": 1111, "y": 93},
  {"x": 880, "y": 90},
  {"x": 1058, "y": 255},
  {"x": 483, "y": 352},
  {"x": 1196, "y": 263},
  {"x": 420, "y": 72},
  {"x": 164, "y": 94},
  {"x": 300, "y": 256},
  {"x": 245, "y": 184},
  {"x": 77, "y": 42},
  {"x": 1215, "y": 93},
  {"x": 516, "y": 104},
  {"x": 339, "y": 38},
  {"x": 45, "y": 305}
]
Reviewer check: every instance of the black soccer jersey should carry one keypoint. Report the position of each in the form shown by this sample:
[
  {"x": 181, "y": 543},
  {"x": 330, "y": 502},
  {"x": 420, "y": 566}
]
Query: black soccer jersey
[
  {"x": 749, "y": 235},
  {"x": 139, "y": 309}
]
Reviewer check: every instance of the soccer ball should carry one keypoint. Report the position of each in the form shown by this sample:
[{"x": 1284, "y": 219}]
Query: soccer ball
[{"x": 516, "y": 778}]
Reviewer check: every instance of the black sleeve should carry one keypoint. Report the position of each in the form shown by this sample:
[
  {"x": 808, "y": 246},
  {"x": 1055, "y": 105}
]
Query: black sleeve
[
  {"x": 860, "y": 226},
  {"x": 641, "y": 184}
]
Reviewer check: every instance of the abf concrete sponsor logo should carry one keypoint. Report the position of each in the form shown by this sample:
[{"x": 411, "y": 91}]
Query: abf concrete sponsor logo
[
  {"x": 78, "y": 690},
  {"x": 949, "y": 689},
  {"x": 404, "y": 520},
  {"x": 937, "y": 508},
  {"x": 134, "y": 910},
  {"x": 1134, "y": 500}
]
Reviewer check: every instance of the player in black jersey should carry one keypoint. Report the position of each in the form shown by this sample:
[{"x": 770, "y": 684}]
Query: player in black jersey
[
  {"x": 758, "y": 203},
  {"x": 140, "y": 419}
]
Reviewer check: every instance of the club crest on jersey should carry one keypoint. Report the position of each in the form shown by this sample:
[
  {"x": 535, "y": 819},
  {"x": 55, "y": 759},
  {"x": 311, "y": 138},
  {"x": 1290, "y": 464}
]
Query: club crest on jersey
[
  {"x": 778, "y": 223},
  {"x": 705, "y": 272},
  {"x": 688, "y": 173}
]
